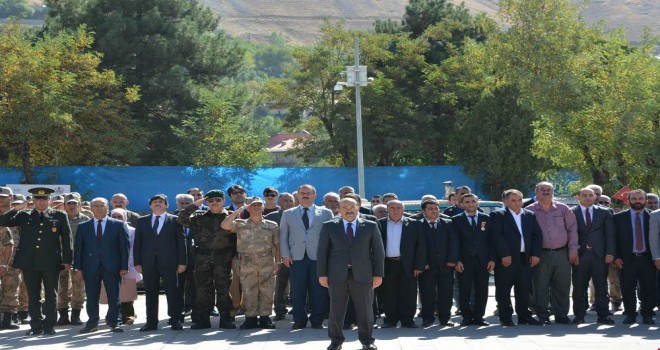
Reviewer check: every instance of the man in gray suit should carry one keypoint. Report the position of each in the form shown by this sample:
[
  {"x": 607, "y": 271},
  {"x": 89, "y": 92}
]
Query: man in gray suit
[
  {"x": 595, "y": 228},
  {"x": 357, "y": 267},
  {"x": 300, "y": 228}
]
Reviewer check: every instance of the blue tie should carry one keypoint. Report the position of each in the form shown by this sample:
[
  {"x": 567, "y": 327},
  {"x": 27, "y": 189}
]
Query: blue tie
[{"x": 156, "y": 224}]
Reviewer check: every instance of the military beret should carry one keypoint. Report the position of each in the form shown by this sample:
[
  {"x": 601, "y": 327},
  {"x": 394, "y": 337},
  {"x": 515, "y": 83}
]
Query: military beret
[{"x": 215, "y": 194}]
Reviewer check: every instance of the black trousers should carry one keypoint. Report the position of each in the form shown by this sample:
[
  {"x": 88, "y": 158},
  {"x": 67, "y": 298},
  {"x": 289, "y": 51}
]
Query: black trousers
[
  {"x": 436, "y": 290},
  {"x": 280, "y": 297},
  {"x": 399, "y": 293},
  {"x": 152, "y": 276},
  {"x": 187, "y": 291},
  {"x": 34, "y": 279},
  {"x": 475, "y": 274},
  {"x": 640, "y": 269},
  {"x": 591, "y": 267},
  {"x": 363, "y": 296},
  {"x": 518, "y": 276}
]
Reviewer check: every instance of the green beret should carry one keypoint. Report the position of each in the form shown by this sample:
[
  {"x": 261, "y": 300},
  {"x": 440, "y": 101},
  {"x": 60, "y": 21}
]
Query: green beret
[{"x": 215, "y": 194}]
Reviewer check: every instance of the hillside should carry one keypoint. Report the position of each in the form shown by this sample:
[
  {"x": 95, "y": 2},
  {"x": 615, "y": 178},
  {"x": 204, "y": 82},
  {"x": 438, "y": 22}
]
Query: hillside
[{"x": 299, "y": 20}]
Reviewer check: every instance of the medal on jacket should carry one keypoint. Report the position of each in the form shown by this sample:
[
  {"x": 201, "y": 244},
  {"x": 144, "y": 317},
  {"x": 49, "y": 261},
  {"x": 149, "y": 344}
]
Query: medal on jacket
[{"x": 483, "y": 226}]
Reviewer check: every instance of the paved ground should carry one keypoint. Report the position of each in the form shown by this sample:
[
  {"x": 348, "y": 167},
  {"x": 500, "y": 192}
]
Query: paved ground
[{"x": 493, "y": 337}]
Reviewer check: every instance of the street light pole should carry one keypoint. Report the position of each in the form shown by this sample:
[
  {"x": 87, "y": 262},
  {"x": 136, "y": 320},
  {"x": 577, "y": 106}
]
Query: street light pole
[{"x": 358, "y": 118}]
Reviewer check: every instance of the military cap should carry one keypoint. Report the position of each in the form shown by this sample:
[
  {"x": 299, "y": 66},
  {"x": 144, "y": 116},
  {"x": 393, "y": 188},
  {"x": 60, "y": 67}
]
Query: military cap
[
  {"x": 58, "y": 199},
  {"x": 85, "y": 204},
  {"x": 71, "y": 197},
  {"x": 29, "y": 198},
  {"x": 6, "y": 192},
  {"x": 41, "y": 192},
  {"x": 215, "y": 194},
  {"x": 18, "y": 199},
  {"x": 253, "y": 200}
]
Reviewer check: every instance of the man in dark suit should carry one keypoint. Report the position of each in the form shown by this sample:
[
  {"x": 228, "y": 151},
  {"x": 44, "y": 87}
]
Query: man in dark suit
[
  {"x": 285, "y": 202},
  {"x": 44, "y": 249},
  {"x": 405, "y": 257},
  {"x": 436, "y": 283},
  {"x": 517, "y": 237},
  {"x": 476, "y": 259},
  {"x": 634, "y": 258},
  {"x": 350, "y": 263},
  {"x": 595, "y": 228},
  {"x": 101, "y": 255},
  {"x": 159, "y": 252}
]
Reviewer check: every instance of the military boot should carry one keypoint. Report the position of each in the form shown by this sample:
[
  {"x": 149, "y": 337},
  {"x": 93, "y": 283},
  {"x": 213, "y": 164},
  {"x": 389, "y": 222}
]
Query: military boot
[
  {"x": 250, "y": 323},
  {"x": 64, "y": 318},
  {"x": 6, "y": 322},
  {"x": 24, "y": 317},
  {"x": 75, "y": 317},
  {"x": 202, "y": 322},
  {"x": 266, "y": 323},
  {"x": 227, "y": 322}
]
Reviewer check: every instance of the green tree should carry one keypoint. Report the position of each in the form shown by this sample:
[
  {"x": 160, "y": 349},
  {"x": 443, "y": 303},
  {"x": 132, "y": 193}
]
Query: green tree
[
  {"x": 56, "y": 105},
  {"x": 596, "y": 97},
  {"x": 169, "y": 48},
  {"x": 14, "y": 8},
  {"x": 220, "y": 133}
]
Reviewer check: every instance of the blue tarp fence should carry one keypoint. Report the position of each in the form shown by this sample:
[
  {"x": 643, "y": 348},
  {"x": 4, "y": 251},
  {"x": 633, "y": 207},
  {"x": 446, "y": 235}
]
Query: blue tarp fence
[{"x": 139, "y": 183}]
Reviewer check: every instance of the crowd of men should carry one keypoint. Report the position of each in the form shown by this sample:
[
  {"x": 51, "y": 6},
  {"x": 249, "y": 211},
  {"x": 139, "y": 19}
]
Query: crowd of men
[{"x": 340, "y": 261}]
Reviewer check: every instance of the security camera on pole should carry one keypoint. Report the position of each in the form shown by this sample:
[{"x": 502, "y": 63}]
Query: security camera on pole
[{"x": 356, "y": 76}]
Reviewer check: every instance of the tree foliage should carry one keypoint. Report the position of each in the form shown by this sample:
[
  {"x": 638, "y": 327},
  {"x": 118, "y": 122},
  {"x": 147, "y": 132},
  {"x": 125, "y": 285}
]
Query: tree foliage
[
  {"x": 57, "y": 106},
  {"x": 169, "y": 48}
]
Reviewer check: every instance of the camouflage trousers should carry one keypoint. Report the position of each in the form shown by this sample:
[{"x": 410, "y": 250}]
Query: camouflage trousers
[
  {"x": 70, "y": 290},
  {"x": 257, "y": 282},
  {"x": 213, "y": 277},
  {"x": 22, "y": 296},
  {"x": 11, "y": 282}
]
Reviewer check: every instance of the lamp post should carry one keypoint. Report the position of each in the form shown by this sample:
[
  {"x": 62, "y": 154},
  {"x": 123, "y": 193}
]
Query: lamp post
[{"x": 356, "y": 76}]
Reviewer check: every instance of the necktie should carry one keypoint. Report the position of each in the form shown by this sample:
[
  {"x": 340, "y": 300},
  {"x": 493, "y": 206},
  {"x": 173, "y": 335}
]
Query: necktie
[
  {"x": 156, "y": 224},
  {"x": 433, "y": 225},
  {"x": 588, "y": 215},
  {"x": 305, "y": 218},
  {"x": 639, "y": 234},
  {"x": 473, "y": 221},
  {"x": 41, "y": 216},
  {"x": 99, "y": 230},
  {"x": 349, "y": 233}
]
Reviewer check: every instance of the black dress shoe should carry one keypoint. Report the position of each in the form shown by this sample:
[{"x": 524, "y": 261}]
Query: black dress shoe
[
  {"x": 480, "y": 323},
  {"x": 227, "y": 323},
  {"x": 530, "y": 321},
  {"x": 447, "y": 324},
  {"x": 299, "y": 325},
  {"x": 630, "y": 319},
  {"x": 369, "y": 347},
  {"x": 317, "y": 325},
  {"x": 34, "y": 332},
  {"x": 116, "y": 329},
  {"x": 578, "y": 320},
  {"x": 605, "y": 320},
  {"x": 334, "y": 347},
  {"x": 88, "y": 329},
  {"x": 563, "y": 320},
  {"x": 507, "y": 323},
  {"x": 388, "y": 325},
  {"x": 427, "y": 323},
  {"x": 409, "y": 325},
  {"x": 280, "y": 317},
  {"x": 176, "y": 326},
  {"x": 543, "y": 321},
  {"x": 148, "y": 328},
  {"x": 465, "y": 323},
  {"x": 49, "y": 331},
  {"x": 648, "y": 320}
]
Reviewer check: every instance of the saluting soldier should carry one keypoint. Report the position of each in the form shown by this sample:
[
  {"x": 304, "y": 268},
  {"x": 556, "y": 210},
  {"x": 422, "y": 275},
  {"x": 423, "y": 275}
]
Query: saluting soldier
[
  {"x": 259, "y": 256},
  {"x": 44, "y": 249},
  {"x": 214, "y": 251}
]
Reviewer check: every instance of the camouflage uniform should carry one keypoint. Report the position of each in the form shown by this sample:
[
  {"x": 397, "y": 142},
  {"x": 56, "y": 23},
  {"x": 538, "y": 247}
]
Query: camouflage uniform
[
  {"x": 10, "y": 282},
  {"x": 214, "y": 251},
  {"x": 70, "y": 288},
  {"x": 257, "y": 247}
]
